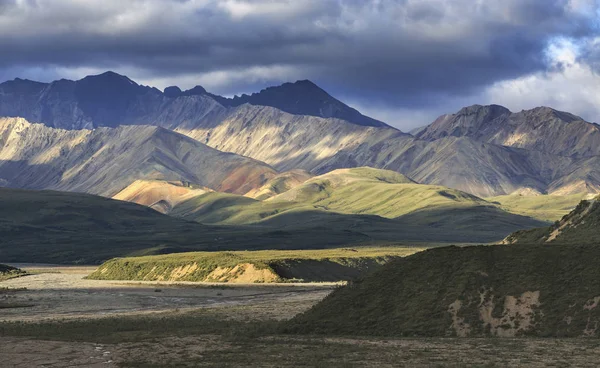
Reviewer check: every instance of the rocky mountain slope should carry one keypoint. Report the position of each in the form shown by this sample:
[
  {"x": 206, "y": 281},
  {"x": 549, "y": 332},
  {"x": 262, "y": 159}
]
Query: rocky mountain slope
[
  {"x": 541, "y": 129},
  {"x": 580, "y": 226},
  {"x": 483, "y": 150},
  {"x": 110, "y": 99},
  {"x": 501, "y": 291},
  {"x": 104, "y": 161}
]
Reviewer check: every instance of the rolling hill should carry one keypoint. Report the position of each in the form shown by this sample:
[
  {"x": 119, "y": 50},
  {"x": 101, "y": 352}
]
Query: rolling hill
[
  {"x": 62, "y": 227},
  {"x": 159, "y": 195},
  {"x": 501, "y": 291},
  {"x": 280, "y": 184},
  {"x": 539, "y": 206},
  {"x": 420, "y": 212}
]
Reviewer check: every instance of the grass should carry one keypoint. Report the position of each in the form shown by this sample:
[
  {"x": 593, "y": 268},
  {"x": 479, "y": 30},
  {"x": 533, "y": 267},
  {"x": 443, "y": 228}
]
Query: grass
[
  {"x": 580, "y": 226},
  {"x": 396, "y": 209},
  {"x": 297, "y": 265},
  {"x": 211, "y": 338},
  {"x": 360, "y": 191},
  {"x": 541, "y": 207},
  {"x": 411, "y": 296},
  {"x": 74, "y": 228}
]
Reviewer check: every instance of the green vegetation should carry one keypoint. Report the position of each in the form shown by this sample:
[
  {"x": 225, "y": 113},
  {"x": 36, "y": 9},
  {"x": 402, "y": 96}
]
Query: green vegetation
[
  {"x": 252, "y": 266},
  {"x": 396, "y": 209},
  {"x": 211, "y": 338},
  {"x": 580, "y": 226},
  {"x": 541, "y": 207},
  {"x": 57, "y": 227},
  {"x": 8, "y": 272},
  {"x": 531, "y": 290},
  {"x": 360, "y": 191}
]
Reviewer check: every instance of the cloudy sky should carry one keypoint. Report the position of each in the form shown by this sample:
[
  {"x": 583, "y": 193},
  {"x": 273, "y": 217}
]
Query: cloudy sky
[{"x": 401, "y": 61}]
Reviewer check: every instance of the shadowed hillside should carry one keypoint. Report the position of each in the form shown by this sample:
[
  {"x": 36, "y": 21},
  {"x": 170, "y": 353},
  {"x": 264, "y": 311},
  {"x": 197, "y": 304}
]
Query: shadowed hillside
[
  {"x": 474, "y": 291},
  {"x": 580, "y": 226},
  {"x": 59, "y": 227},
  {"x": 338, "y": 199}
]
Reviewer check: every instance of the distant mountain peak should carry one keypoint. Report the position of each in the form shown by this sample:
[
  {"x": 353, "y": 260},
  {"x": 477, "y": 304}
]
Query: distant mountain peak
[
  {"x": 493, "y": 109},
  {"x": 304, "y": 97},
  {"x": 549, "y": 113},
  {"x": 198, "y": 90},
  {"x": 109, "y": 76},
  {"x": 172, "y": 92}
]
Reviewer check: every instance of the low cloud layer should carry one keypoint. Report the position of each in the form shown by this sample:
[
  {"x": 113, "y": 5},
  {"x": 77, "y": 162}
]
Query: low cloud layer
[{"x": 400, "y": 60}]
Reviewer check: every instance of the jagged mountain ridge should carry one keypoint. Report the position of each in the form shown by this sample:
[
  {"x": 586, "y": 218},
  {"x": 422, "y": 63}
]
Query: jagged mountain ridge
[
  {"x": 106, "y": 160},
  {"x": 478, "y": 157},
  {"x": 541, "y": 129},
  {"x": 110, "y": 99}
]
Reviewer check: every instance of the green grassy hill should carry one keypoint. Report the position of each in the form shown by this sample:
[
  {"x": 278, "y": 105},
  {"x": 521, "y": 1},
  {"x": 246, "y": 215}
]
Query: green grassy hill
[
  {"x": 541, "y": 207},
  {"x": 59, "y": 227},
  {"x": 252, "y": 266},
  {"x": 534, "y": 290},
  {"x": 394, "y": 206},
  {"x": 580, "y": 226},
  {"x": 280, "y": 184}
]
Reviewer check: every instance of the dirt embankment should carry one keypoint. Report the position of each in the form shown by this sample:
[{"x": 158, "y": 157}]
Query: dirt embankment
[{"x": 240, "y": 271}]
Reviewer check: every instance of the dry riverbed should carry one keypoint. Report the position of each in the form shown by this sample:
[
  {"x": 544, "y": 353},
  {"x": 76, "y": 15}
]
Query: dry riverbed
[{"x": 63, "y": 292}]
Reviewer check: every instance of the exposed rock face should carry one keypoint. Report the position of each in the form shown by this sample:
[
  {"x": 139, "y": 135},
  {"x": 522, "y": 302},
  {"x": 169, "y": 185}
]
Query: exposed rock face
[
  {"x": 111, "y": 99},
  {"x": 304, "y": 98},
  {"x": 104, "y": 161},
  {"x": 483, "y": 150},
  {"x": 541, "y": 129}
]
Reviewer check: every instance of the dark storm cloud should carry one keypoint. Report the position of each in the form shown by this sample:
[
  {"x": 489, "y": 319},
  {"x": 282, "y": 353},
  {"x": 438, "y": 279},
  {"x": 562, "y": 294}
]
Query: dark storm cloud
[{"x": 404, "y": 52}]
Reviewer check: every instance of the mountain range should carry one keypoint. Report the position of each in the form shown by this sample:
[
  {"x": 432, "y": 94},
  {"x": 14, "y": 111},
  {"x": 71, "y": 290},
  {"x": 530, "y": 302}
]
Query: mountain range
[{"x": 482, "y": 150}]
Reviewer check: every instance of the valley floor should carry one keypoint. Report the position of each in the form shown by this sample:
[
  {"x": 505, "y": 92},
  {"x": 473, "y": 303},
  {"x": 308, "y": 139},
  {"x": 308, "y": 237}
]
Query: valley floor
[
  {"x": 63, "y": 292},
  {"x": 149, "y": 325}
]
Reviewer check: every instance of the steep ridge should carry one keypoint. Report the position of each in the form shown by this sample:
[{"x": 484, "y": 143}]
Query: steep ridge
[
  {"x": 104, "y": 161},
  {"x": 501, "y": 291},
  {"x": 304, "y": 98},
  {"x": 483, "y": 150},
  {"x": 110, "y": 99},
  {"x": 580, "y": 226},
  {"x": 541, "y": 129}
]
